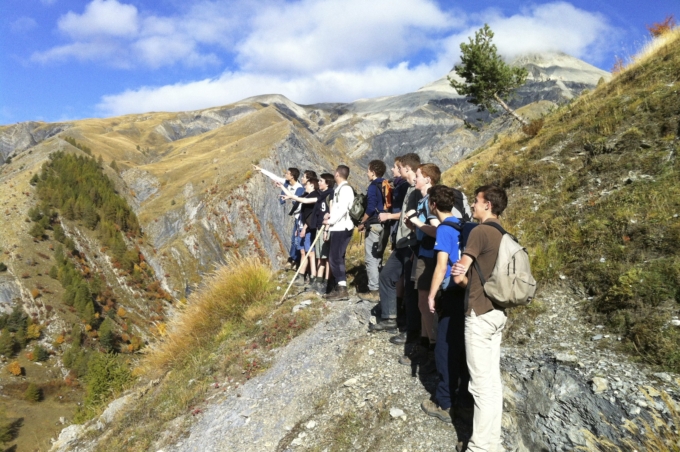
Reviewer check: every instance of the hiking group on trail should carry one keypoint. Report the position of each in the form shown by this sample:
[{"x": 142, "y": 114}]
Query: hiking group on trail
[{"x": 443, "y": 291}]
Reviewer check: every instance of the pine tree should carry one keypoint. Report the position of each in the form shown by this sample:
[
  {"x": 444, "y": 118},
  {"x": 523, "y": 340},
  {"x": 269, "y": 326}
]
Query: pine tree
[
  {"x": 106, "y": 336},
  {"x": 488, "y": 79},
  {"x": 33, "y": 393},
  {"x": 6, "y": 342}
]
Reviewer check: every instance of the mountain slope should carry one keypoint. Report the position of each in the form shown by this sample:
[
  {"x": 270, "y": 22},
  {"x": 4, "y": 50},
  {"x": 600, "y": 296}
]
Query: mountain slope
[
  {"x": 595, "y": 198},
  {"x": 187, "y": 176}
]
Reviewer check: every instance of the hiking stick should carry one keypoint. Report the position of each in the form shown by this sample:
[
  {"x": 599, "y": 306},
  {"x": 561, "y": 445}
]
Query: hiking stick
[{"x": 318, "y": 234}]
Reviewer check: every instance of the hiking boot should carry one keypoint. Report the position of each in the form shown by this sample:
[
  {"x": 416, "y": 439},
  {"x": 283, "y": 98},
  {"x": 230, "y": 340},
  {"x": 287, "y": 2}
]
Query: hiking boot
[
  {"x": 428, "y": 365},
  {"x": 384, "y": 325},
  {"x": 319, "y": 287},
  {"x": 415, "y": 356},
  {"x": 434, "y": 410},
  {"x": 371, "y": 295},
  {"x": 405, "y": 337},
  {"x": 338, "y": 294},
  {"x": 299, "y": 280}
]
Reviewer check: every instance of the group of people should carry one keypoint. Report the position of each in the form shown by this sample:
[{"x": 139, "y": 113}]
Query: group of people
[{"x": 429, "y": 291}]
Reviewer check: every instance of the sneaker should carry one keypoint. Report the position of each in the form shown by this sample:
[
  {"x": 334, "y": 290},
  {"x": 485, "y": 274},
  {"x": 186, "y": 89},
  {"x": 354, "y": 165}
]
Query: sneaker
[
  {"x": 371, "y": 295},
  {"x": 405, "y": 337},
  {"x": 338, "y": 294},
  {"x": 384, "y": 325},
  {"x": 434, "y": 410}
]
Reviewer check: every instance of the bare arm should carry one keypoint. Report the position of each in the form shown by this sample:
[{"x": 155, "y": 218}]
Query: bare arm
[
  {"x": 437, "y": 277},
  {"x": 459, "y": 270},
  {"x": 389, "y": 216},
  {"x": 429, "y": 229}
]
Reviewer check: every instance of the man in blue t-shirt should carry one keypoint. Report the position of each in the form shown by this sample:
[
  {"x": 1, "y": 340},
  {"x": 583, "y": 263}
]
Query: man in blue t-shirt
[{"x": 450, "y": 346}]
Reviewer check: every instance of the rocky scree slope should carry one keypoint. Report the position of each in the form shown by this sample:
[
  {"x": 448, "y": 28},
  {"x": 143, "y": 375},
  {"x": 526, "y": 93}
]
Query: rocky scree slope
[{"x": 338, "y": 387}]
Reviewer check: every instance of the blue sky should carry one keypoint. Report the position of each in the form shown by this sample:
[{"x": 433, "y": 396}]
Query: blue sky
[{"x": 68, "y": 59}]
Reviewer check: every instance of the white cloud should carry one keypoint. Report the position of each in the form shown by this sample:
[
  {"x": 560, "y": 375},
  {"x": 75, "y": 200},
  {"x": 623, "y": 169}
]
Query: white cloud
[
  {"x": 341, "y": 50},
  {"x": 23, "y": 24},
  {"x": 127, "y": 38},
  {"x": 315, "y": 35},
  {"x": 551, "y": 27},
  {"x": 101, "y": 18},
  {"x": 326, "y": 86}
]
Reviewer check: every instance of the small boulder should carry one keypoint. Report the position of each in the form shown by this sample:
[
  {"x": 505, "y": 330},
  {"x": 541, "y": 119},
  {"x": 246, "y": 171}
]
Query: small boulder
[{"x": 599, "y": 385}]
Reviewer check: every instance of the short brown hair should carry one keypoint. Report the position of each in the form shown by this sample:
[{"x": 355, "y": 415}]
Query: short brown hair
[
  {"x": 295, "y": 173},
  {"x": 314, "y": 181},
  {"x": 444, "y": 197},
  {"x": 309, "y": 174},
  {"x": 412, "y": 160},
  {"x": 378, "y": 167},
  {"x": 397, "y": 159},
  {"x": 496, "y": 196},
  {"x": 343, "y": 171},
  {"x": 432, "y": 171},
  {"x": 330, "y": 181}
]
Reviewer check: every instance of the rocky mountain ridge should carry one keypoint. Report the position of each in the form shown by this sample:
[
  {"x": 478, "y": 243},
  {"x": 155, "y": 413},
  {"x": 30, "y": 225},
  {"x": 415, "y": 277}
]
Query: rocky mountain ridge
[{"x": 188, "y": 177}]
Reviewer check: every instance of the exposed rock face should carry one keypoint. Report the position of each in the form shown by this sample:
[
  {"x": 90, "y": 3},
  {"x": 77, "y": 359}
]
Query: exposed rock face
[
  {"x": 186, "y": 174},
  {"x": 10, "y": 291},
  {"x": 24, "y": 135}
]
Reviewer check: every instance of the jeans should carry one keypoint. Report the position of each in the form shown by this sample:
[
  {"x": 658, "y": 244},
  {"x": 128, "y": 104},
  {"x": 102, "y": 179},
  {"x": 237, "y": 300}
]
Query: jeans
[
  {"x": 294, "y": 252},
  {"x": 398, "y": 264},
  {"x": 483, "y": 352},
  {"x": 449, "y": 353},
  {"x": 373, "y": 257},
  {"x": 336, "y": 257}
]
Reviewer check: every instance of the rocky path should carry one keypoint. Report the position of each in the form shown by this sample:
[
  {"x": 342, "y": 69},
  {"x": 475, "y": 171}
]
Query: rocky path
[{"x": 338, "y": 387}]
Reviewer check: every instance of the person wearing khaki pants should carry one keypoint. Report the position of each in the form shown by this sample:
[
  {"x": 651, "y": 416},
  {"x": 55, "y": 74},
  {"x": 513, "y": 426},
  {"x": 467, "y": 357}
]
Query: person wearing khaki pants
[{"x": 484, "y": 321}]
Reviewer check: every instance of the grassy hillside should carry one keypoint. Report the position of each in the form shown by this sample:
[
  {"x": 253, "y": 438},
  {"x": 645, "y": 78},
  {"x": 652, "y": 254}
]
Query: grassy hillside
[{"x": 595, "y": 197}]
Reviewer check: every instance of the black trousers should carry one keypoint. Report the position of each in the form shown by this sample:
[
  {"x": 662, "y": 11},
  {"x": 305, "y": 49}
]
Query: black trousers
[{"x": 336, "y": 256}]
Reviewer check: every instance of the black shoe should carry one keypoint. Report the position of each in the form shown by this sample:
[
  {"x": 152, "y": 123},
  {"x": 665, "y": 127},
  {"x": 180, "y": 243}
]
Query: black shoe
[
  {"x": 428, "y": 365},
  {"x": 389, "y": 325},
  {"x": 406, "y": 337},
  {"x": 338, "y": 294},
  {"x": 376, "y": 311}
]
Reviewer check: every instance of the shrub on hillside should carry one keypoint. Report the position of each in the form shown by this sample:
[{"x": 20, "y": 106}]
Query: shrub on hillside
[
  {"x": 40, "y": 354},
  {"x": 107, "y": 375},
  {"x": 226, "y": 295},
  {"x": 533, "y": 127},
  {"x": 15, "y": 368},
  {"x": 33, "y": 393},
  {"x": 660, "y": 28}
]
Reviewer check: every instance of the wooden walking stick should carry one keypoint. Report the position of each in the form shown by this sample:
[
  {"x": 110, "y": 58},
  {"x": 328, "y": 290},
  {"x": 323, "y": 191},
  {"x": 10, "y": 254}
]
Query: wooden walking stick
[{"x": 319, "y": 233}]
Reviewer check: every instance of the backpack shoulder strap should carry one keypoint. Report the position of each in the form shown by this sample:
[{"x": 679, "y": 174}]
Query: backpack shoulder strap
[
  {"x": 500, "y": 229},
  {"x": 458, "y": 226}
]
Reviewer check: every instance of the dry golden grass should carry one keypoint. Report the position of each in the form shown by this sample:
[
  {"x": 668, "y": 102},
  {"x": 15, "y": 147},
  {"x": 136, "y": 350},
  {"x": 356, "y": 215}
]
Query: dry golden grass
[
  {"x": 649, "y": 49},
  {"x": 225, "y": 296}
]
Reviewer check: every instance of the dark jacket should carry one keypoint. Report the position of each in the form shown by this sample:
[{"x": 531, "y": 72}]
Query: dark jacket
[
  {"x": 374, "y": 198},
  {"x": 321, "y": 207}
]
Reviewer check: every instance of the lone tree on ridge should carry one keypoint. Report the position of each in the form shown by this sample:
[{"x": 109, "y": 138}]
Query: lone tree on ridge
[{"x": 488, "y": 79}]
